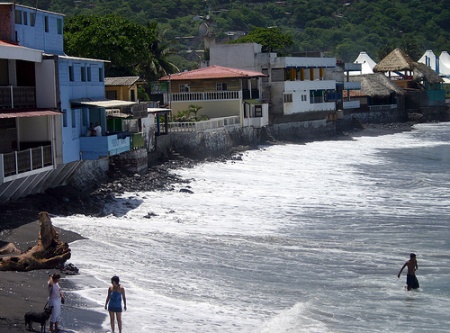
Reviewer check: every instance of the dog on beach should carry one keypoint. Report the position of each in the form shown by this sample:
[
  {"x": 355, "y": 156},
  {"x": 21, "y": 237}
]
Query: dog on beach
[{"x": 38, "y": 317}]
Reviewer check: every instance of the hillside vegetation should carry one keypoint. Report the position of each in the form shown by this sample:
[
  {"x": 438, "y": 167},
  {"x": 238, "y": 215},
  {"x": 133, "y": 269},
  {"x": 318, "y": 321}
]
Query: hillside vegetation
[{"x": 336, "y": 27}]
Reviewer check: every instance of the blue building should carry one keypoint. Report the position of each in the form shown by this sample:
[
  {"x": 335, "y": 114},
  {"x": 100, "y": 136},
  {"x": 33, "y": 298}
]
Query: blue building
[{"x": 47, "y": 102}]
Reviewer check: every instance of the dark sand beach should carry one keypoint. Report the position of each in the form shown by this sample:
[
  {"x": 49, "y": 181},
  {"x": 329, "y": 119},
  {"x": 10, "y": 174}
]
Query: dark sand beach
[{"x": 21, "y": 292}]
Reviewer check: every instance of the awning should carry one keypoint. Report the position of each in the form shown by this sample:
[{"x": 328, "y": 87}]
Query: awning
[
  {"x": 103, "y": 103},
  {"x": 16, "y": 52},
  {"x": 28, "y": 113},
  {"x": 158, "y": 110}
]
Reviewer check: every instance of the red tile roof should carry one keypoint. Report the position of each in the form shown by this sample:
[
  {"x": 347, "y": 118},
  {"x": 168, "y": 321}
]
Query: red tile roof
[
  {"x": 19, "y": 113},
  {"x": 213, "y": 72}
]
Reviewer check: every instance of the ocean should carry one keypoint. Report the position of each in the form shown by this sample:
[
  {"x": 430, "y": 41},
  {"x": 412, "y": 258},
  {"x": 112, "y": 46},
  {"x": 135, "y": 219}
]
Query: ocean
[{"x": 291, "y": 238}]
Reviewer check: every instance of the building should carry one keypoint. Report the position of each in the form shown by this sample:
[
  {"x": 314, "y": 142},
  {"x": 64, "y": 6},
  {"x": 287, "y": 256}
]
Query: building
[
  {"x": 292, "y": 86},
  {"x": 219, "y": 92},
  {"x": 47, "y": 102}
]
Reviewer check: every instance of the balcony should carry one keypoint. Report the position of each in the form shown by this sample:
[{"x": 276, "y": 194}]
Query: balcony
[
  {"x": 96, "y": 147},
  {"x": 23, "y": 163},
  {"x": 17, "y": 97},
  {"x": 206, "y": 96}
]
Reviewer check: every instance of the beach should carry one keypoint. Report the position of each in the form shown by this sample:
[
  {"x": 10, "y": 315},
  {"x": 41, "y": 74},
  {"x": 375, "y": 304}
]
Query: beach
[
  {"x": 26, "y": 291},
  {"x": 21, "y": 292}
]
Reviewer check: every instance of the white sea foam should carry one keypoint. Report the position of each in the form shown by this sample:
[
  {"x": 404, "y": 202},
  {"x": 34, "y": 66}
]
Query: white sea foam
[{"x": 292, "y": 238}]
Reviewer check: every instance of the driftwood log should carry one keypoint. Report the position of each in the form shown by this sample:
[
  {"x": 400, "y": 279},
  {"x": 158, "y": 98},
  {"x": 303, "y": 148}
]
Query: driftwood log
[{"x": 49, "y": 251}]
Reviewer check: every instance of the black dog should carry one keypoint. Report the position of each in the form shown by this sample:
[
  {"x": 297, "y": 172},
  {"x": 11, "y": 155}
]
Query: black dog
[{"x": 34, "y": 317}]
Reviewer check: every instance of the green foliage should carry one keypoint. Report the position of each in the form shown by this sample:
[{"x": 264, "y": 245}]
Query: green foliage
[
  {"x": 342, "y": 28},
  {"x": 190, "y": 115},
  {"x": 271, "y": 39},
  {"x": 132, "y": 48}
]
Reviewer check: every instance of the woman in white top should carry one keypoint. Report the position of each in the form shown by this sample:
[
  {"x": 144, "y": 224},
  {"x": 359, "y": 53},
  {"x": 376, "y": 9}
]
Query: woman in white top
[{"x": 54, "y": 299}]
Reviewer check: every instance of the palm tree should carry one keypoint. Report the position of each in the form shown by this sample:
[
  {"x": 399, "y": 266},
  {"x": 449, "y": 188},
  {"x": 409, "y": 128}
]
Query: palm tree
[{"x": 156, "y": 64}]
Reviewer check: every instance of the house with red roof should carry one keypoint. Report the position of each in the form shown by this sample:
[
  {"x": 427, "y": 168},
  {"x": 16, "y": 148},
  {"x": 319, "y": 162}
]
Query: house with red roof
[{"x": 219, "y": 92}]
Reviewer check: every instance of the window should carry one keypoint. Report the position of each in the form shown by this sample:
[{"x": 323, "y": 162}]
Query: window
[
  {"x": 89, "y": 73},
  {"x": 100, "y": 75},
  {"x": 258, "y": 111},
  {"x": 83, "y": 73},
  {"x": 65, "y": 117},
  {"x": 71, "y": 78},
  {"x": 111, "y": 94},
  {"x": 184, "y": 88},
  {"x": 221, "y": 86},
  {"x": 18, "y": 17},
  {"x": 46, "y": 23},
  {"x": 32, "y": 19},
  {"x": 287, "y": 98},
  {"x": 304, "y": 98},
  {"x": 25, "y": 18},
  {"x": 59, "y": 26}
]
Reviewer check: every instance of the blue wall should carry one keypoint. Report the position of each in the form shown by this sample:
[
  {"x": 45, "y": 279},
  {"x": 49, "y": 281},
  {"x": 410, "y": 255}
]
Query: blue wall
[{"x": 31, "y": 24}]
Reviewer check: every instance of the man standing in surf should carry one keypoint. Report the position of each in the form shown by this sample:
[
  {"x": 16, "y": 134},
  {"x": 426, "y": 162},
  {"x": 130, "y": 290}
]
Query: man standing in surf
[{"x": 411, "y": 279}]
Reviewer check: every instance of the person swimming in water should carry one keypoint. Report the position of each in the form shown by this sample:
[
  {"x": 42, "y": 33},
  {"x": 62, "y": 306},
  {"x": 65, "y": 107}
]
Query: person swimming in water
[
  {"x": 411, "y": 279},
  {"x": 116, "y": 294}
]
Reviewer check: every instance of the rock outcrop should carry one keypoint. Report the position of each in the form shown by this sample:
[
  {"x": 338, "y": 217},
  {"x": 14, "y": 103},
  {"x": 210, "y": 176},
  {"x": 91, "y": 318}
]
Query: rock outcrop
[{"x": 49, "y": 251}]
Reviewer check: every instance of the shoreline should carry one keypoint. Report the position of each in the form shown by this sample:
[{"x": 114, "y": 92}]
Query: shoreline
[{"x": 26, "y": 291}]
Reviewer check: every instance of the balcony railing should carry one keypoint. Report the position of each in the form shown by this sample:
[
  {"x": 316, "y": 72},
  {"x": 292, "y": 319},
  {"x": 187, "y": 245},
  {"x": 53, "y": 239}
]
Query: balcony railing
[
  {"x": 22, "y": 161},
  {"x": 205, "y": 96},
  {"x": 17, "y": 97},
  {"x": 201, "y": 126}
]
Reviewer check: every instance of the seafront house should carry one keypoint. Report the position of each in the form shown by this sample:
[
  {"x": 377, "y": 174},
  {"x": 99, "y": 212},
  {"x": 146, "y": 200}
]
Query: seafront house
[
  {"x": 216, "y": 92},
  {"x": 48, "y": 100},
  {"x": 294, "y": 86},
  {"x": 441, "y": 65},
  {"x": 422, "y": 84}
]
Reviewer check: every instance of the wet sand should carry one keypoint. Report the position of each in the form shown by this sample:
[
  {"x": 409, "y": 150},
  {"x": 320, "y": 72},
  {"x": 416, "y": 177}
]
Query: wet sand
[{"x": 21, "y": 292}]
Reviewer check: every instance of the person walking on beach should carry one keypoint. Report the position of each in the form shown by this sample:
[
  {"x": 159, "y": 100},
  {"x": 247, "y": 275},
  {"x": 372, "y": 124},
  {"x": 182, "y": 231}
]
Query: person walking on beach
[
  {"x": 411, "y": 279},
  {"x": 116, "y": 294},
  {"x": 56, "y": 297}
]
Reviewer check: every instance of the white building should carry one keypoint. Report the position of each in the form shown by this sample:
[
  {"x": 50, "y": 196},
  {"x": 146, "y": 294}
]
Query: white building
[{"x": 293, "y": 84}]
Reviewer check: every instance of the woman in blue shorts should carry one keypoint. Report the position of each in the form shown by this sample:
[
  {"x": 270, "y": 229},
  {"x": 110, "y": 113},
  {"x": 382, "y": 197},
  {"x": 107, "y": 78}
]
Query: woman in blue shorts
[{"x": 116, "y": 294}]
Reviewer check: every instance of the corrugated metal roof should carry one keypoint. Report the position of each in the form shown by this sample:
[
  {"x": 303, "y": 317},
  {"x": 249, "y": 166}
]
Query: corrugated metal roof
[
  {"x": 104, "y": 103},
  {"x": 4, "y": 114},
  {"x": 213, "y": 72},
  {"x": 121, "y": 80}
]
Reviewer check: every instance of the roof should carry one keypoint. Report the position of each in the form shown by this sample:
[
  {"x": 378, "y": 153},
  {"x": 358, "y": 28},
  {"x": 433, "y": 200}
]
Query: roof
[
  {"x": 444, "y": 63},
  {"x": 213, "y": 72},
  {"x": 376, "y": 85},
  {"x": 397, "y": 60},
  {"x": 122, "y": 80},
  {"x": 367, "y": 64},
  {"x": 16, "y": 52},
  {"x": 102, "y": 102},
  {"x": 22, "y": 113},
  {"x": 423, "y": 72}
]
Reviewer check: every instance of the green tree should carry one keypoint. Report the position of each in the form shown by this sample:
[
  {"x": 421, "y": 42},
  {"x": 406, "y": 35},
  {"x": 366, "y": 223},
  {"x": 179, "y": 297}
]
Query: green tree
[{"x": 271, "y": 39}]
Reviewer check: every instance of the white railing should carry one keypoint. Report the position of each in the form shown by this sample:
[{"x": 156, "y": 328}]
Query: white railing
[
  {"x": 17, "y": 97},
  {"x": 20, "y": 162},
  {"x": 202, "y": 126},
  {"x": 206, "y": 96}
]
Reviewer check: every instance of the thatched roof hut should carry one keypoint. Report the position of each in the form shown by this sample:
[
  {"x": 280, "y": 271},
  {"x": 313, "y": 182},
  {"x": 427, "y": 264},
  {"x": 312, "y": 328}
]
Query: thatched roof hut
[
  {"x": 376, "y": 85},
  {"x": 424, "y": 73},
  {"x": 395, "y": 61}
]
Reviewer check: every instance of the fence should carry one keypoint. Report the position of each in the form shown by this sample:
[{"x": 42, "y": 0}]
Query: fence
[
  {"x": 17, "y": 97},
  {"x": 26, "y": 160},
  {"x": 201, "y": 126}
]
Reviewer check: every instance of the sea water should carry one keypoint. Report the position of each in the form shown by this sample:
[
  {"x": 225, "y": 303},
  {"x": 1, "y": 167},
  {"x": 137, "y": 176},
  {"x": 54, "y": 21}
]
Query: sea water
[{"x": 292, "y": 238}]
